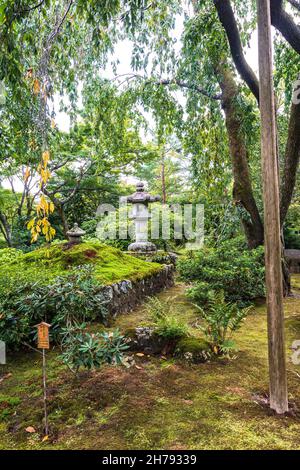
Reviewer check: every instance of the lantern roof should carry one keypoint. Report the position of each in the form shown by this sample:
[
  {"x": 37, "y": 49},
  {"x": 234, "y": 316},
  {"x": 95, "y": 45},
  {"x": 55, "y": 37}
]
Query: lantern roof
[
  {"x": 141, "y": 196},
  {"x": 76, "y": 231}
]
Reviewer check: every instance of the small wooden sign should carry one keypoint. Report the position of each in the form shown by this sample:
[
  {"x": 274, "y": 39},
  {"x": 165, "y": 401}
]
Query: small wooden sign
[{"x": 43, "y": 335}]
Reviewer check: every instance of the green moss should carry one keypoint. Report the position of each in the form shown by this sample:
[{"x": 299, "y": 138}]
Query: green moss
[
  {"x": 110, "y": 264},
  {"x": 192, "y": 345},
  {"x": 193, "y": 350},
  {"x": 161, "y": 404}
]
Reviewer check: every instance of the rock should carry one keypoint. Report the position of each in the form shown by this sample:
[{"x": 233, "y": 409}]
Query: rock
[
  {"x": 123, "y": 296},
  {"x": 145, "y": 339},
  {"x": 193, "y": 350}
]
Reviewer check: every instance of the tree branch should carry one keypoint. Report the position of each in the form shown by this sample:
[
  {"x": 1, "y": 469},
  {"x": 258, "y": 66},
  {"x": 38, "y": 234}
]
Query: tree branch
[
  {"x": 295, "y": 4},
  {"x": 291, "y": 162},
  {"x": 190, "y": 86},
  {"x": 60, "y": 23},
  {"x": 59, "y": 165},
  {"x": 170, "y": 81},
  {"x": 28, "y": 10},
  {"x": 226, "y": 17},
  {"x": 285, "y": 24}
]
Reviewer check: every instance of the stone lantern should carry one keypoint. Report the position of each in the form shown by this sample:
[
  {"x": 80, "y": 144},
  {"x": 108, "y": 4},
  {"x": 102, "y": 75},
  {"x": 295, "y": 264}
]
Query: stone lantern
[
  {"x": 75, "y": 234},
  {"x": 140, "y": 200}
]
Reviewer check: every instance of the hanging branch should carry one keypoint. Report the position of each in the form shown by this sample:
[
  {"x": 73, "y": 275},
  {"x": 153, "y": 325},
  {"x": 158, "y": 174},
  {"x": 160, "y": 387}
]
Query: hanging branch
[
  {"x": 228, "y": 21},
  {"x": 285, "y": 24},
  {"x": 295, "y": 4},
  {"x": 166, "y": 82}
]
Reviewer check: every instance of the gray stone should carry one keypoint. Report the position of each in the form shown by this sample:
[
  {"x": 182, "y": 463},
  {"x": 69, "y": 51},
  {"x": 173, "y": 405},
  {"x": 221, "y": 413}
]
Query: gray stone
[
  {"x": 124, "y": 296},
  {"x": 142, "y": 247},
  {"x": 140, "y": 200},
  {"x": 75, "y": 234}
]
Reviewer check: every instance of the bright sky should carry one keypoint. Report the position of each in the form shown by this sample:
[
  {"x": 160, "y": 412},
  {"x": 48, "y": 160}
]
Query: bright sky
[{"x": 123, "y": 54}]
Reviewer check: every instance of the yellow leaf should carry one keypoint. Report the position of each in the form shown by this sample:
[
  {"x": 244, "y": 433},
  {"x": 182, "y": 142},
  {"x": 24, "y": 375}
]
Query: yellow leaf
[
  {"x": 52, "y": 123},
  {"x": 45, "y": 438},
  {"x": 36, "y": 87},
  {"x": 27, "y": 174},
  {"x": 30, "y": 223},
  {"x": 46, "y": 157}
]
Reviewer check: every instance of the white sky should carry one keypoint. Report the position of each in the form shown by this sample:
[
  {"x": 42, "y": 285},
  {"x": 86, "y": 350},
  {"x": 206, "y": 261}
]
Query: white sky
[{"x": 123, "y": 55}]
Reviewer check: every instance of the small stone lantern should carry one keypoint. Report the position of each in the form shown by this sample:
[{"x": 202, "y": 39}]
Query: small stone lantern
[
  {"x": 75, "y": 234},
  {"x": 140, "y": 200}
]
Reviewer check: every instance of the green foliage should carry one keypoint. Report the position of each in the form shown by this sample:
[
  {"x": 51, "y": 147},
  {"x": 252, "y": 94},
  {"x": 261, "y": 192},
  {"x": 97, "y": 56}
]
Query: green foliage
[
  {"x": 201, "y": 293},
  {"x": 221, "y": 320},
  {"x": 231, "y": 267},
  {"x": 74, "y": 298},
  {"x": 291, "y": 238},
  {"x": 82, "y": 349},
  {"x": 170, "y": 327},
  {"x": 292, "y": 227},
  {"x": 9, "y": 254},
  {"x": 8, "y": 406},
  {"x": 167, "y": 325}
]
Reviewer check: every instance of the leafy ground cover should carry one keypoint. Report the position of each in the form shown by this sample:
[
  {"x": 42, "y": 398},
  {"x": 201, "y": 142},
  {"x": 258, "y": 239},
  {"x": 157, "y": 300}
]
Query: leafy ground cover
[{"x": 159, "y": 402}]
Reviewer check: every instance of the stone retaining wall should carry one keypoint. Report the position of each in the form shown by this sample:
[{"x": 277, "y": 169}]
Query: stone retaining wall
[{"x": 123, "y": 296}]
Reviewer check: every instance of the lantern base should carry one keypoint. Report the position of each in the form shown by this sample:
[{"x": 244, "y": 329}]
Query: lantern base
[{"x": 142, "y": 247}]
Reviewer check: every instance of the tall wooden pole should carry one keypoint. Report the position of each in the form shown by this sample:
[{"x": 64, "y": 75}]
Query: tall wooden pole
[
  {"x": 277, "y": 366},
  {"x": 45, "y": 393}
]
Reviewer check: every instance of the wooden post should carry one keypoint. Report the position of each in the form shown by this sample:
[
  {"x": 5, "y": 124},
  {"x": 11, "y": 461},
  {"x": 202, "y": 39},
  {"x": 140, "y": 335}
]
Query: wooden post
[
  {"x": 45, "y": 394},
  {"x": 43, "y": 343},
  {"x": 277, "y": 366}
]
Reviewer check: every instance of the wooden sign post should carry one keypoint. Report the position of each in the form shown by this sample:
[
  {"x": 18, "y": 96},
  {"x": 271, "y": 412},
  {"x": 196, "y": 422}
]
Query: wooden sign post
[
  {"x": 277, "y": 366},
  {"x": 43, "y": 343}
]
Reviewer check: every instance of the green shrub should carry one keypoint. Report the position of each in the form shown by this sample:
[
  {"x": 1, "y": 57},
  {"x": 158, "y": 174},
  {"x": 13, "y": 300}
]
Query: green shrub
[
  {"x": 170, "y": 327},
  {"x": 200, "y": 293},
  {"x": 167, "y": 325},
  {"x": 291, "y": 239},
  {"x": 9, "y": 254},
  {"x": 68, "y": 299},
  {"x": 221, "y": 319},
  {"x": 82, "y": 349},
  {"x": 231, "y": 267}
]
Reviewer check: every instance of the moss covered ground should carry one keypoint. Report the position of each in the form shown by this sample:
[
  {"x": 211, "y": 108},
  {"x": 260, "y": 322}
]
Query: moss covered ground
[
  {"x": 159, "y": 403},
  {"x": 44, "y": 264}
]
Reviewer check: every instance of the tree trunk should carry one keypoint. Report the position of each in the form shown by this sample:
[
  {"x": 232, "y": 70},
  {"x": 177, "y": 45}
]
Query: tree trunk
[
  {"x": 5, "y": 229},
  {"x": 61, "y": 211},
  {"x": 242, "y": 191}
]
